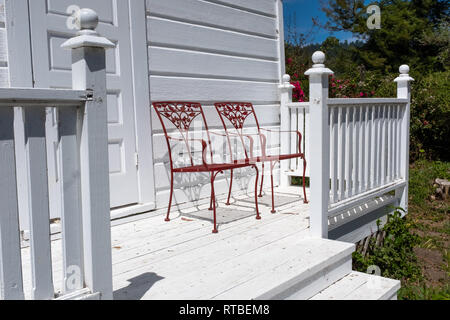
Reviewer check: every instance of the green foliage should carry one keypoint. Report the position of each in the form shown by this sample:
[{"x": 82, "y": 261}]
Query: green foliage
[
  {"x": 422, "y": 292},
  {"x": 395, "y": 257},
  {"x": 430, "y": 117},
  {"x": 422, "y": 175},
  {"x": 408, "y": 32}
]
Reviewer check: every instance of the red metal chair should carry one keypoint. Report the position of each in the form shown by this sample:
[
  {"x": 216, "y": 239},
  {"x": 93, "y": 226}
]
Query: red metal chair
[
  {"x": 237, "y": 113},
  {"x": 181, "y": 115}
]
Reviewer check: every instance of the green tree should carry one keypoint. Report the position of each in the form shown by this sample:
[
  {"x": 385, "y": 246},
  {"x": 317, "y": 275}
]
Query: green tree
[{"x": 405, "y": 28}]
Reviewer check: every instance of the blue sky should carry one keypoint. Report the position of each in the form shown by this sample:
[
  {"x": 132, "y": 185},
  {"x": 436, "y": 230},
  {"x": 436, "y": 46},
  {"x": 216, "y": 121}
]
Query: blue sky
[{"x": 305, "y": 10}]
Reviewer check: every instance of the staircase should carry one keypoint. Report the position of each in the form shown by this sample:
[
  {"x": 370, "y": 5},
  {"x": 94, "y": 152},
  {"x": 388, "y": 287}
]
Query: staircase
[{"x": 320, "y": 270}]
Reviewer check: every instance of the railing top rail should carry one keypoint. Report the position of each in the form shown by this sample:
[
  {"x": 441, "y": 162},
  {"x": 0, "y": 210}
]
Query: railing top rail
[
  {"x": 298, "y": 105},
  {"x": 39, "y": 97},
  {"x": 364, "y": 101}
]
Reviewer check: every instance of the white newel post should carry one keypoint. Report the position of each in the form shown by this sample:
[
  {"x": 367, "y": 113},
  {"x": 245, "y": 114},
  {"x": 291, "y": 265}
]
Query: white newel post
[
  {"x": 319, "y": 146},
  {"x": 89, "y": 73},
  {"x": 285, "y": 138},
  {"x": 404, "y": 92}
]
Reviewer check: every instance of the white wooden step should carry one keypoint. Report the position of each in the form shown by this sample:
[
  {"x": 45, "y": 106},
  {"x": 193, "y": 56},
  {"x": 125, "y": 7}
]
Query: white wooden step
[
  {"x": 361, "y": 286},
  {"x": 311, "y": 266}
]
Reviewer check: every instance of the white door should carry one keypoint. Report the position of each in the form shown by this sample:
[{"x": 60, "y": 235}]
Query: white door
[{"x": 52, "y": 69}]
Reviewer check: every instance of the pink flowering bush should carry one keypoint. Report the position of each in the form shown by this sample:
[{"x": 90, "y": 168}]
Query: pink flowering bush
[{"x": 298, "y": 94}]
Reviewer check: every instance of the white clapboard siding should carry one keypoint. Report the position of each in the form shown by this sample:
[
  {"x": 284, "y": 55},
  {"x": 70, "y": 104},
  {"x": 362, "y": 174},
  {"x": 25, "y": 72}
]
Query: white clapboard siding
[
  {"x": 197, "y": 64},
  {"x": 179, "y": 34},
  {"x": 258, "y": 6},
  {"x": 214, "y": 15},
  {"x": 198, "y": 89}
]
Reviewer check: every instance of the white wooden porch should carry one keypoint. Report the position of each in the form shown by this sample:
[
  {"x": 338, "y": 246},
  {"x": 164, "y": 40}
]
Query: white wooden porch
[
  {"x": 182, "y": 259},
  {"x": 274, "y": 258}
]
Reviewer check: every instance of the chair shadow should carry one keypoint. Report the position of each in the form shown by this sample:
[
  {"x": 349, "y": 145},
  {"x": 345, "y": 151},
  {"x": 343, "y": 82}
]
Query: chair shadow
[{"x": 138, "y": 287}]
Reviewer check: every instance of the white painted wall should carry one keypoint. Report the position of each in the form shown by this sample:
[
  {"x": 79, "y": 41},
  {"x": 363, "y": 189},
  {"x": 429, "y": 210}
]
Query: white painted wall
[{"x": 211, "y": 51}]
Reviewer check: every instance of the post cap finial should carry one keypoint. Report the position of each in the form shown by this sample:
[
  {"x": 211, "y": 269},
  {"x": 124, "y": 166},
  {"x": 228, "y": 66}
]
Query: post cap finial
[
  {"x": 318, "y": 57},
  {"x": 404, "y": 74},
  {"x": 286, "y": 78},
  {"x": 404, "y": 69},
  {"x": 87, "y": 19},
  {"x": 318, "y": 67}
]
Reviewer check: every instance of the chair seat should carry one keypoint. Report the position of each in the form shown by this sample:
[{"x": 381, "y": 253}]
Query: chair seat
[
  {"x": 279, "y": 157},
  {"x": 214, "y": 167},
  {"x": 237, "y": 164}
]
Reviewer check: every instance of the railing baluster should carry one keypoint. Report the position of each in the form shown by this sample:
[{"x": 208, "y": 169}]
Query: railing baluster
[
  {"x": 307, "y": 140},
  {"x": 383, "y": 145},
  {"x": 369, "y": 116},
  {"x": 375, "y": 148},
  {"x": 71, "y": 200},
  {"x": 391, "y": 144},
  {"x": 11, "y": 282},
  {"x": 341, "y": 151},
  {"x": 362, "y": 149},
  {"x": 349, "y": 152},
  {"x": 294, "y": 139},
  {"x": 356, "y": 151},
  {"x": 41, "y": 261},
  {"x": 397, "y": 141},
  {"x": 333, "y": 154}
]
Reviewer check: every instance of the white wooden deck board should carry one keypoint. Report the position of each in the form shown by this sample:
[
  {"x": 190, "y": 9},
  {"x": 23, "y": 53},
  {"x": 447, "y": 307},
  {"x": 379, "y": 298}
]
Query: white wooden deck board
[{"x": 360, "y": 286}]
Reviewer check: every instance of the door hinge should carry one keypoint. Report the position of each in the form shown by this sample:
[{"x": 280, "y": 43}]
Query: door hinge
[{"x": 136, "y": 159}]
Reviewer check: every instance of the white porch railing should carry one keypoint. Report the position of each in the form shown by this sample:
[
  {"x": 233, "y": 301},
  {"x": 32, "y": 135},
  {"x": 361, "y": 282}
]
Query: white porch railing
[
  {"x": 356, "y": 149},
  {"x": 83, "y": 146}
]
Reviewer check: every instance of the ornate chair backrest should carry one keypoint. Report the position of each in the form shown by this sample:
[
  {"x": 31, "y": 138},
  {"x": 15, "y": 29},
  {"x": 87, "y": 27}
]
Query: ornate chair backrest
[
  {"x": 237, "y": 113},
  {"x": 181, "y": 114}
]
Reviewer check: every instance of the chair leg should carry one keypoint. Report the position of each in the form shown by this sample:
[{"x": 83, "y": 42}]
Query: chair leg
[
  {"x": 231, "y": 185},
  {"x": 271, "y": 184},
  {"x": 258, "y": 217},
  {"x": 305, "y": 201},
  {"x": 262, "y": 181},
  {"x": 213, "y": 199},
  {"x": 170, "y": 197}
]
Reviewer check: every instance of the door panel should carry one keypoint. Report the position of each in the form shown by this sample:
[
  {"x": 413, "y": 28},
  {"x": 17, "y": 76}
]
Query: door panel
[{"x": 52, "y": 69}]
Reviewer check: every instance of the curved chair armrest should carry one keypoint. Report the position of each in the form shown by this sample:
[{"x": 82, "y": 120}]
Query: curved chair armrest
[{"x": 289, "y": 131}]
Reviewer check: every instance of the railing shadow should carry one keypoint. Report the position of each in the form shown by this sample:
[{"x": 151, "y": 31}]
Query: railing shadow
[{"x": 138, "y": 287}]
